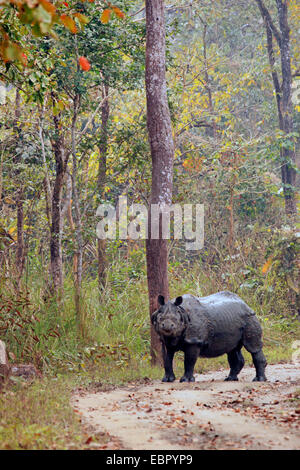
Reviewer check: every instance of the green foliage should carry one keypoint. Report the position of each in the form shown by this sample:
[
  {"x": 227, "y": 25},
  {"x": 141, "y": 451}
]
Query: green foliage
[
  {"x": 284, "y": 271},
  {"x": 6, "y": 238},
  {"x": 227, "y": 156},
  {"x": 39, "y": 416},
  {"x": 116, "y": 321},
  {"x": 228, "y": 152},
  {"x": 21, "y": 327}
]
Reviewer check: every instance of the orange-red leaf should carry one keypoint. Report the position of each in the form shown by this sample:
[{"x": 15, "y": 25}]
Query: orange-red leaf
[
  {"x": 82, "y": 18},
  {"x": 106, "y": 15},
  {"x": 24, "y": 59},
  {"x": 118, "y": 12},
  {"x": 69, "y": 23},
  {"x": 267, "y": 265},
  {"x": 84, "y": 63},
  {"x": 48, "y": 7}
]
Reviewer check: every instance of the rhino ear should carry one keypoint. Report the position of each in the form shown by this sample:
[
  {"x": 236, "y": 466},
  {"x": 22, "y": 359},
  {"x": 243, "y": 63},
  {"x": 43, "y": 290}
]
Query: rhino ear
[
  {"x": 178, "y": 301},
  {"x": 161, "y": 300}
]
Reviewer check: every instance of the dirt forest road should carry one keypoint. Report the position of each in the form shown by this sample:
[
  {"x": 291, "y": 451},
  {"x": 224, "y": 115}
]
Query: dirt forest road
[{"x": 206, "y": 414}]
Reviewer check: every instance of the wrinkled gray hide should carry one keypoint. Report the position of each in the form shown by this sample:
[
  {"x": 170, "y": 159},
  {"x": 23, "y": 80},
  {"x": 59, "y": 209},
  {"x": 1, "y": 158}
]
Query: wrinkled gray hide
[
  {"x": 221, "y": 320},
  {"x": 209, "y": 327}
]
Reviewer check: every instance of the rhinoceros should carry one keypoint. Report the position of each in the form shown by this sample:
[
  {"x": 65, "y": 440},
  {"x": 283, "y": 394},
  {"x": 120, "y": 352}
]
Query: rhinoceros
[{"x": 220, "y": 323}]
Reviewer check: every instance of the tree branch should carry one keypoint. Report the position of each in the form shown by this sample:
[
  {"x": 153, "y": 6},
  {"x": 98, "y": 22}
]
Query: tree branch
[{"x": 267, "y": 18}]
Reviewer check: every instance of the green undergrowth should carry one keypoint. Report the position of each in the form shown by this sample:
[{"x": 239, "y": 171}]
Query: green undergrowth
[
  {"x": 111, "y": 348},
  {"x": 113, "y": 338},
  {"x": 39, "y": 416}
]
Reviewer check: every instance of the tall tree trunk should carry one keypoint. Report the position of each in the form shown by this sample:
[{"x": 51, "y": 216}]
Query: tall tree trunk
[
  {"x": 162, "y": 154},
  {"x": 55, "y": 235},
  {"x": 61, "y": 160},
  {"x": 20, "y": 252},
  {"x": 288, "y": 155},
  {"x": 78, "y": 255},
  {"x": 211, "y": 131},
  {"x": 46, "y": 181},
  {"x": 101, "y": 244},
  {"x": 283, "y": 95}
]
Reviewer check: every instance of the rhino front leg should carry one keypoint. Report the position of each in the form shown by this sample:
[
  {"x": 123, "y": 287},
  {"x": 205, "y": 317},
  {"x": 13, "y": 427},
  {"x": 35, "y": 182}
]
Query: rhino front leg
[
  {"x": 168, "y": 355},
  {"x": 190, "y": 357},
  {"x": 236, "y": 362},
  {"x": 260, "y": 363}
]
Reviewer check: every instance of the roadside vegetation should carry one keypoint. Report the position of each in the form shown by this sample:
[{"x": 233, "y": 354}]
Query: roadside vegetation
[
  {"x": 74, "y": 135},
  {"x": 113, "y": 351}
]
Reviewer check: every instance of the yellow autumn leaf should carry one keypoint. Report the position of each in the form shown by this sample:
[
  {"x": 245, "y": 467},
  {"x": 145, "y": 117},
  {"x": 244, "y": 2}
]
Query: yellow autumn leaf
[
  {"x": 48, "y": 7},
  {"x": 82, "y": 18},
  {"x": 118, "y": 12},
  {"x": 60, "y": 105},
  {"x": 106, "y": 15},
  {"x": 8, "y": 200},
  {"x": 267, "y": 265},
  {"x": 69, "y": 23}
]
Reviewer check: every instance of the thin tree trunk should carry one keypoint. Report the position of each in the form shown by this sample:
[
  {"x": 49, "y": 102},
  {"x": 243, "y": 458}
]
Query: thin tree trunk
[
  {"x": 288, "y": 163},
  {"x": 61, "y": 160},
  {"x": 20, "y": 253},
  {"x": 162, "y": 153},
  {"x": 283, "y": 95},
  {"x": 212, "y": 131},
  {"x": 46, "y": 181},
  {"x": 78, "y": 255},
  {"x": 101, "y": 244},
  {"x": 55, "y": 235},
  {"x": 231, "y": 218},
  {"x": 67, "y": 202}
]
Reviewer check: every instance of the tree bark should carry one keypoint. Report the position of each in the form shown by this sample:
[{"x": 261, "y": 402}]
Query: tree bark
[
  {"x": 20, "y": 251},
  {"x": 288, "y": 171},
  {"x": 211, "y": 131},
  {"x": 61, "y": 160},
  {"x": 46, "y": 181},
  {"x": 162, "y": 154},
  {"x": 78, "y": 255},
  {"x": 20, "y": 254},
  {"x": 283, "y": 96},
  {"x": 101, "y": 244},
  {"x": 55, "y": 235}
]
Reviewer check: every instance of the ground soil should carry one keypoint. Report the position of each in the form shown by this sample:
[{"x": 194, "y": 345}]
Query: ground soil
[{"x": 206, "y": 414}]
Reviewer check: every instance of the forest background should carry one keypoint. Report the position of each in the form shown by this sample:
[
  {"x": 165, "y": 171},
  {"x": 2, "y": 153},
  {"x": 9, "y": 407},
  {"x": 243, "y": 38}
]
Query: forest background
[{"x": 74, "y": 135}]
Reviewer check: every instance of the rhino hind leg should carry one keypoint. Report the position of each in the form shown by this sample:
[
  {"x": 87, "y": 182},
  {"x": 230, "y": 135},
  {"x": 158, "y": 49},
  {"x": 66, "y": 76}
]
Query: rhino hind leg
[
  {"x": 236, "y": 362},
  {"x": 252, "y": 340},
  {"x": 260, "y": 363}
]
